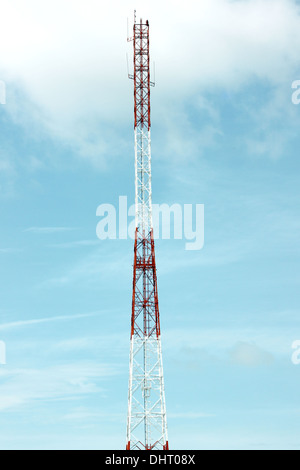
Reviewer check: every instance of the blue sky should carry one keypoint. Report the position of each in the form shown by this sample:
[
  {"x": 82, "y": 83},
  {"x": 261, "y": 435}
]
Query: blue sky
[{"x": 225, "y": 134}]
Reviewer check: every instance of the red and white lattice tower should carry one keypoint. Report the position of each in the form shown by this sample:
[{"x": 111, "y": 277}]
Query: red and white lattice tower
[{"x": 146, "y": 421}]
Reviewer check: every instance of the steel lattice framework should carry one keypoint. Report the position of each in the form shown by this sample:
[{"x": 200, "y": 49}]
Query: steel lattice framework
[{"x": 146, "y": 421}]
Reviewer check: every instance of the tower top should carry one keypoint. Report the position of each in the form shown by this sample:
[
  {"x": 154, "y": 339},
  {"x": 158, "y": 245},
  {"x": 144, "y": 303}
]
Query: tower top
[{"x": 141, "y": 73}]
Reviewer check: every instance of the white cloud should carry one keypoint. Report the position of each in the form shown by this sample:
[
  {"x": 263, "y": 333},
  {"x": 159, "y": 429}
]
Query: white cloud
[
  {"x": 275, "y": 123},
  {"x": 249, "y": 354},
  {"x": 236, "y": 344},
  {"x": 7, "y": 174},
  {"x": 70, "y": 58},
  {"x": 23, "y": 386}
]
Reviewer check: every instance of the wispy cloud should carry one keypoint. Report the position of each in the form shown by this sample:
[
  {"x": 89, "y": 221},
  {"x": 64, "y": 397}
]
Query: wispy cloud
[
  {"x": 48, "y": 230},
  {"x": 76, "y": 244},
  {"x": 8, "y": 250},
  {"x": 247, "y": 346},
  {"x": 83, "y": 414},
  {"x": 102, "y": 262},
  {"x": 7, "y": 172},
  {"x": 22, "y": 386},
  {"x": 275, "y": 123},
  {"x": 99, "y": 344},
  {"x": 36, "y": 321},
  {"x": 213, "y": 254},
  {"x": 190, "y": 415}
]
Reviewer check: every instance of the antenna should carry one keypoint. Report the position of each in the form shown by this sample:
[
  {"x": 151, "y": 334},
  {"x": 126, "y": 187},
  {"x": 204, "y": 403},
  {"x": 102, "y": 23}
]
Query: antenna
[
  {"x": 146, "y": 419},
  {"x": 129, "y": 75},
  {"x": 134, "y": 19},
  {"x": 152, "y": 83}
]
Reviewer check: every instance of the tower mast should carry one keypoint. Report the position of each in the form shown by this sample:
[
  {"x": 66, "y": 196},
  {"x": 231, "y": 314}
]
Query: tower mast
[{"x": 146, "y": 420}]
